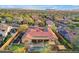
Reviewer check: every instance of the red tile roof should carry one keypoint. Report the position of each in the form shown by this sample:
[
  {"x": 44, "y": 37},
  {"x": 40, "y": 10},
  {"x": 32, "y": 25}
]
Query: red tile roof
[{"x": 39, "y": 32}]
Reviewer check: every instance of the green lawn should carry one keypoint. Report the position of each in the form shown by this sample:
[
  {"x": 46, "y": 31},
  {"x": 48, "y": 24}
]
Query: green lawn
[
  {"x": 16, "y": 48},
  {"x": 6, "y": 38},
  {"x": 66, "y": 43}
]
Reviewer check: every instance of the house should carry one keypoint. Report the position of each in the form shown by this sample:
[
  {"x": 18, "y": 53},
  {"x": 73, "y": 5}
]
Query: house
[
  {"x": 49, "y": 22},
  {"x": 4, "y": 29},
  {"x": 70, "y": 34},
  {"x": 38, "y": 35},
  {"x": 3, "y": 21},
  {"x": 65, "y": 33}
]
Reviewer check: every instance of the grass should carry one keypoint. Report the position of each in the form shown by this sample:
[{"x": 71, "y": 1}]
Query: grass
[
  {"x": 66, "y": 43},
  {"x": 5, "y": 39},
  {"x": 77, "y": 25},
  {"x": 17, "y": 48}
]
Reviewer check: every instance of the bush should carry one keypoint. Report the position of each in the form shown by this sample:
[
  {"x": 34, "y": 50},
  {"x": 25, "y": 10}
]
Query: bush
[{"x": 17, "y": 48}]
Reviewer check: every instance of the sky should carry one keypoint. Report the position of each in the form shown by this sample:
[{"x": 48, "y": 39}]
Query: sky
[{"x": 42, "y": 7}]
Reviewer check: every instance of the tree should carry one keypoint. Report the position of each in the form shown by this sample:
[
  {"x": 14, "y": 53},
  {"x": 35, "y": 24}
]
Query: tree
[
  {"x": 0, "y": 19},
  {"x": 41, "y": 23},
  {"x": 30, "y": 21},
  {"x": 23, "y": 27},
  {"x": 77, "y": 19},
  {"x": 53, "y": 27},
  {"x": 9, "y": 19},
  {"x": 17, "y": 48}
]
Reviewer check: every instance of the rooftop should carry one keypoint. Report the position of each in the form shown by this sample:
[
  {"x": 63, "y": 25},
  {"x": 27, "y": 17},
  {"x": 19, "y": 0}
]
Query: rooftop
[
  {"x": 40, "y": 37},
  {"x": 34, "y": 33},
  {"x": 61, "y": 47},
  {"x": 3, "y": 26}
]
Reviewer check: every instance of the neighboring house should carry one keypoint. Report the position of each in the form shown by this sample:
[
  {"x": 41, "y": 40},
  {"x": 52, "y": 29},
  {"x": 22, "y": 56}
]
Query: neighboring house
[
  {"x": 3, "y": 21},
  {"x": 64, "y": 33},
  {"x": 4, "y": 29},
  {"x": 15, "y": 25},
  {"x": 49, "y": 22},
  {"x": 36, "y": 19},
  {"x": 68, "y": 34}
]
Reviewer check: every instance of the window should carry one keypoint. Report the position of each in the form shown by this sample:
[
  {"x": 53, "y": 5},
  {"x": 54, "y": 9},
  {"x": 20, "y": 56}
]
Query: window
[
  {"x": 46, "y": 40},
  {"x": 34, "y": 41},
  {"x": 39, "y": 41}
]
